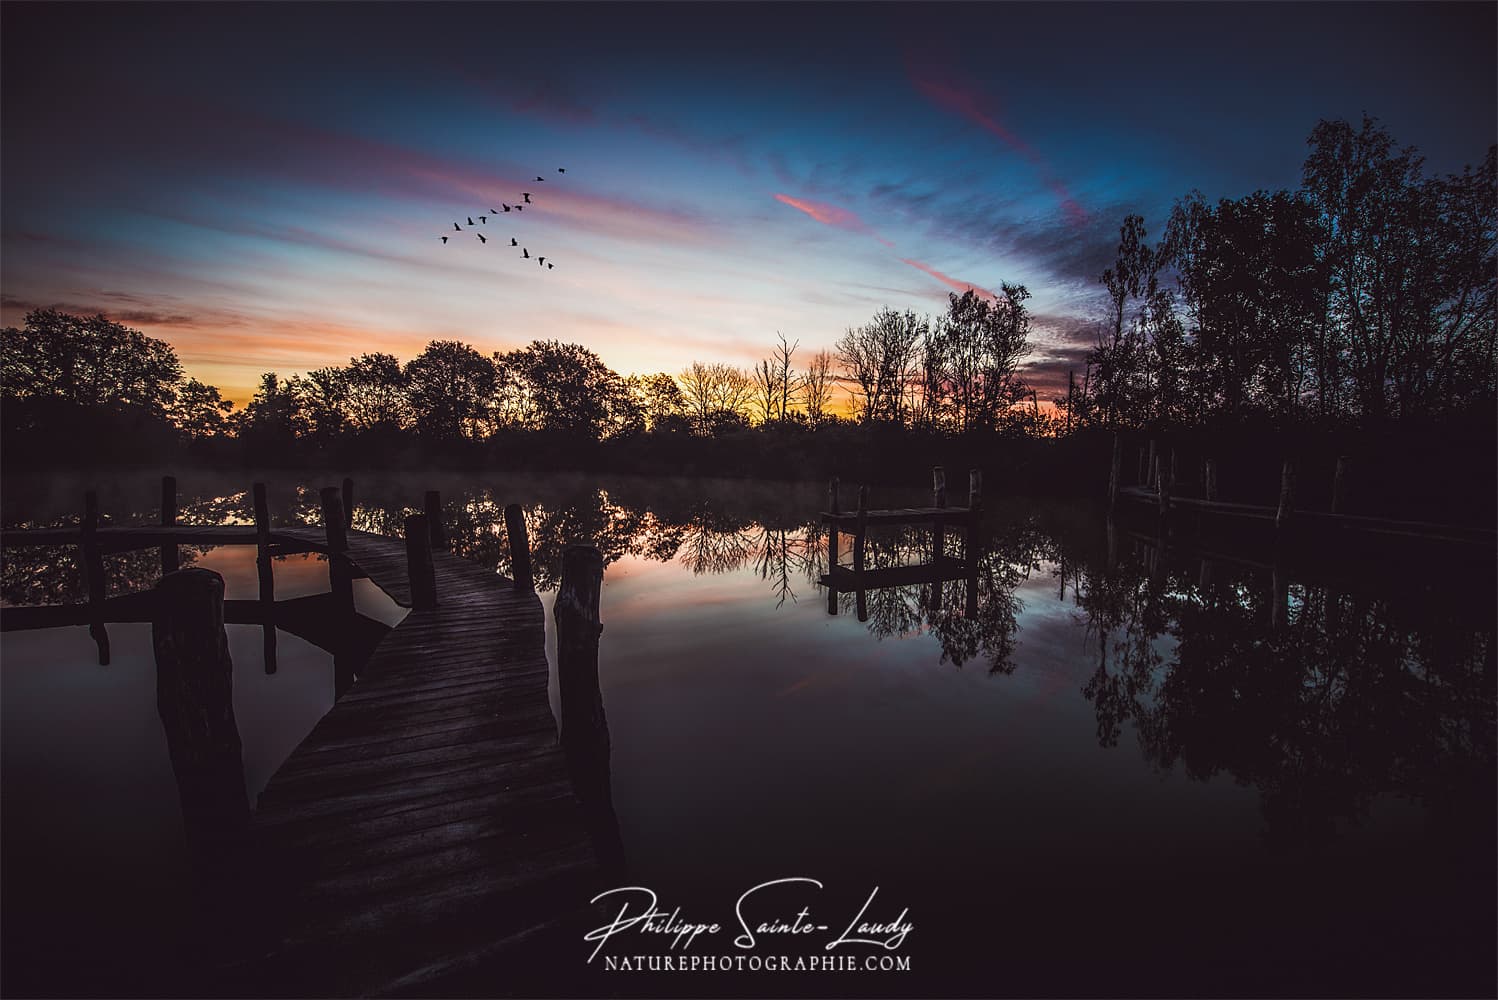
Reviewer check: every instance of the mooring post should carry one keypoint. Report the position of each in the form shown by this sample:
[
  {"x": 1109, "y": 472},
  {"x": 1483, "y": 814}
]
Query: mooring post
[
  {"x": 1339, "y": 484},
  {"x": 348, "y": 502},
  {"x": 1154, "y": 462},
  {"x": 1286, "y": 510},
  {"x": 1115, "y": 470},
  {"x": 333, "y": 520},
  {"x": 1209, "y": 476},
  {"x": 1143, "y": 478},
  {"x": 432, "y": 504},
  {"x": 1162, "y": 483},
  {"x": 832, "y": 507},
  {"x": 169, "y": 559},
  {"x": 195, "y": 698},
  {"x": 974, "y": 514},
  {"x": 93, "y": 574},
  {"x": 419, "y": 567},
  {"x": 861, "y": 528},
  {"x": 520, "y": 548},
  {"x": 579, "y": 625},
  {"x": 585, "y": 726},
  {"x": 938, "y": 486},
  {"x": 340, "y": 580},
  {"x": 1279, "y": 613},
  {"x": 266, "y": 573}
]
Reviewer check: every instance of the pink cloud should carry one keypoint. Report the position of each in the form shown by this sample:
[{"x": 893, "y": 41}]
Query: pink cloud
[
  {"x": 824, "y": 213},
  {"x": 951, "y": 282},
  {"x": 967, "y": 102}
]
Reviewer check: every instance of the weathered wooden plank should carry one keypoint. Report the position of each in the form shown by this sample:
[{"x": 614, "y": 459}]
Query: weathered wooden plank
[{"x": 432, "y": 792}]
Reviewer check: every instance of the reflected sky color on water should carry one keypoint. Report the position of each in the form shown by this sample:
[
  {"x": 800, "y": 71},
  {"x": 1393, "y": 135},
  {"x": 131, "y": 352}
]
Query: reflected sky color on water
[{"x": 1198, "y": 775}]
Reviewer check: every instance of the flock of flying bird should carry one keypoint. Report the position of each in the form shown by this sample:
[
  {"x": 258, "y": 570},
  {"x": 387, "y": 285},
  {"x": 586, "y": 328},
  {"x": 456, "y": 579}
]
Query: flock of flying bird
[{"x": 525, "y": 253}]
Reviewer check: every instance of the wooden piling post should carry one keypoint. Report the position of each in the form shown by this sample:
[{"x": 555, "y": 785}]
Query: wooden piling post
[
  {"x": 170, "y": 562},
  {"x": 348, "y": 502},
  {"x": 340, "y": 580},
  {"x": 520, "y": 548},
  {"x": 938, "y": 486},
  {"x": 93, "y": 574},
  {"x": 832, "y": 507},
  {"x": 432, "y": 504},
  {"x": 1279, "y": 612},
  {"x": 585, "y": 726},
  {"x": 971, "y": 541},
  {"x": 861, "y": 530},
  {"x": 334, "y": 522},
  {"x": 1154, "y": 463},
  {"x": 579, "y": 625},
  {"x": 195, "y": 698},
  {"x": 1162, "y": 483},
  {"x": 419, "y": 567},
  {"x": 1286, "y": 511},
  {"x": 1210, "y": 478},
  {"x": 1115, "y": 470},
  {"x": 1340, "y": 484},
  {"x": 1143, "y": 478},
  {"x": 265, "y": 571}
]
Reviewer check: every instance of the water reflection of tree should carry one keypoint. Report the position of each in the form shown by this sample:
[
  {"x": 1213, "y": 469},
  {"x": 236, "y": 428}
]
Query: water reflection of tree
[{"x": 1344, "y": 699}]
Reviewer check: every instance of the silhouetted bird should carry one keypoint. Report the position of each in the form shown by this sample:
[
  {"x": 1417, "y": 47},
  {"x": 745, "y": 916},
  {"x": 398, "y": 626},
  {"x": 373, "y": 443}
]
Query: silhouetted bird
[
  {"x": 457, "y": 227},
  {"x": 527, "y": 196},
  {"x": 470, "y": 220},
  {"x": 540, "y": 260},
  {"x": 520, "y": 208},
  {"x": 525, "y": 253},
  {"x": 514, "y": 242},
  {"x": 483, "y": 218},
  {"x": 481, "y": 237},
  {"x": 540, "y": 178},
  {"x": 507, "y": 207},
  {"x": 444, "y": 239},
  {"x": 550, "y": 266},
  {"x": 561, "y": 170},
  {"x": 495, "y": 211}
]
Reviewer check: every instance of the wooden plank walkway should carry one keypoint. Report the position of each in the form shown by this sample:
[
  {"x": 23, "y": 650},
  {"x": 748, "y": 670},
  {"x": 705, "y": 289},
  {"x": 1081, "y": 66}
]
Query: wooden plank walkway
[{"x": 430, "y": 813}]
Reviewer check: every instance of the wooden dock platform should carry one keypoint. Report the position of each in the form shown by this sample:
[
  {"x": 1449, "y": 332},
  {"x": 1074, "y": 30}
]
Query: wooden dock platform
[
  {"x": 430, "y": 813},
  {"x": 427, "y": 832}
]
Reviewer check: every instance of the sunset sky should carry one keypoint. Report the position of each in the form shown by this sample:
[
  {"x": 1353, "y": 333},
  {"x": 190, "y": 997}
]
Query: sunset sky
[{"x": 264, "y": 186}]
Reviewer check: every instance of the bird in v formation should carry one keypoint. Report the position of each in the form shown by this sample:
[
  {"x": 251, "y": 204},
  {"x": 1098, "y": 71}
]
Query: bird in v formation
[{"x": 505, "y": 207}]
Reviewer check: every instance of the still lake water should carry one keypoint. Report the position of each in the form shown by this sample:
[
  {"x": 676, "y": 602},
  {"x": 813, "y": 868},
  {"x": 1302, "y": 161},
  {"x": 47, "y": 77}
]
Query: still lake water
[{"x": 1157, "y": 773}]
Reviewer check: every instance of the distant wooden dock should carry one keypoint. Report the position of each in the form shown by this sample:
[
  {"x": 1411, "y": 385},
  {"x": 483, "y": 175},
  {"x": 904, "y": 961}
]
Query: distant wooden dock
[
  {"x": 1157, "y": 487},
  {"x": 939, "y": 569},
  {"x": 429, "y": 821}
]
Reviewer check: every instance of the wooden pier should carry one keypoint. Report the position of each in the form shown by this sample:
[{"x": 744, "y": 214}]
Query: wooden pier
[
  {"x": 939, "y": 569},
  {"x": 1159, "y": 486},
  {"x": 428, "y": 825}
]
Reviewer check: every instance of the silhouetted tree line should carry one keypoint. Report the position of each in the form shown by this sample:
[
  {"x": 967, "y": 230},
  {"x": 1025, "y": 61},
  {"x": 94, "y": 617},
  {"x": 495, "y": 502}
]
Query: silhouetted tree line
[
  {"x": 102, "y": 390},
  {"x": 1364, "y": 298}
]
